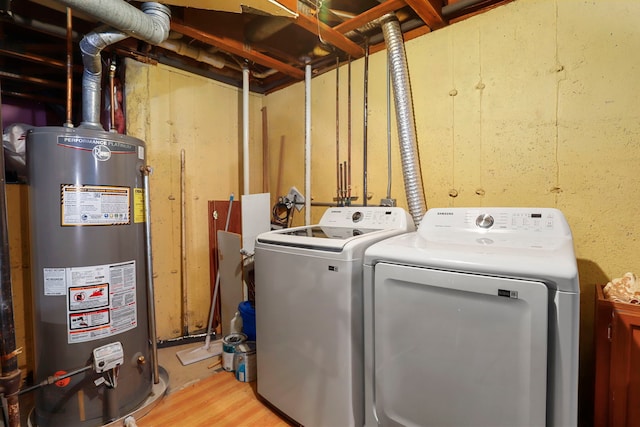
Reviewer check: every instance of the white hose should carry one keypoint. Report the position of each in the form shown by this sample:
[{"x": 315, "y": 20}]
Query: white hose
[{"x": 129, "y": 422}]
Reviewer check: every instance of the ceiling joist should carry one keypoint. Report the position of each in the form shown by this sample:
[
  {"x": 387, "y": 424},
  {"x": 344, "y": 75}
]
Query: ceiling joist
[
  {"x": 429, "y": 11},
  {"x": 274, "y": 38},
  {"x": 370, "y": 15},
  {"x": 332, "y": 36},
  {"x": 233, "y": 46}
]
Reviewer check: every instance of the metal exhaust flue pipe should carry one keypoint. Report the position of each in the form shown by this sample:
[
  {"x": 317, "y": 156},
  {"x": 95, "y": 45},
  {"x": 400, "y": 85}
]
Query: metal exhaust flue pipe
[
  {"x": 405, "y": 118},
  {"x": 151, "y": 24}
]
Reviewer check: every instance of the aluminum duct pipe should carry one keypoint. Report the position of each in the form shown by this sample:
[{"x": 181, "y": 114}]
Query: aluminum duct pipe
[
  {"x": 404, "y": 110},
  {"x": 150, "y": 25},
  {"x": 91, "y": 45}
]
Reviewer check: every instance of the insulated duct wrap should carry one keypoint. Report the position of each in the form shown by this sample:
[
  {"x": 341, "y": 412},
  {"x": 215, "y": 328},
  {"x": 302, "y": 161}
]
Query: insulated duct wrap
[{"x": 404, "y": 111}]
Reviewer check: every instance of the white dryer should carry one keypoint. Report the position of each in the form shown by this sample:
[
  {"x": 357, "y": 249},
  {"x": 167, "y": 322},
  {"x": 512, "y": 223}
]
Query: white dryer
[
  {"x": 309, "y": 324},
  {"x": 473, "y": 320}
]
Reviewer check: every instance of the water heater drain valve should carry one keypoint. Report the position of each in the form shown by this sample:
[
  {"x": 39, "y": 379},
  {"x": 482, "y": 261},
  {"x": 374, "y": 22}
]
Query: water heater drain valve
[{"x": 108, "y": 357}]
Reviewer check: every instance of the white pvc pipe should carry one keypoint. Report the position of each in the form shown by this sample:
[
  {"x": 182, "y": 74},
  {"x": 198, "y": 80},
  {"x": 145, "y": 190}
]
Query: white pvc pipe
[
  {"x": 307, "y": 144},
  {"x": 245, "y": 128}
]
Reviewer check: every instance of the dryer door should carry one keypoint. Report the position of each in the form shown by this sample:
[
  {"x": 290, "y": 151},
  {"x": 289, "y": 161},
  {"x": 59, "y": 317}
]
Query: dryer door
[{"x": 456, "y": 349}]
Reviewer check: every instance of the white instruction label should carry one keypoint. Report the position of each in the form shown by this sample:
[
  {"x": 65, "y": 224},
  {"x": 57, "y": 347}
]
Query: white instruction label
[
  {"x": 55, "y": 281},
  {"x": 101, "y": 300},
  {"x": 95, "y": 205}
]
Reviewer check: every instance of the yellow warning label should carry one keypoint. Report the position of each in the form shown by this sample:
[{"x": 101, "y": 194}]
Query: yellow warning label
[
  {"x": 94, "y": 205},
  {"x": 138, "y": 205}
]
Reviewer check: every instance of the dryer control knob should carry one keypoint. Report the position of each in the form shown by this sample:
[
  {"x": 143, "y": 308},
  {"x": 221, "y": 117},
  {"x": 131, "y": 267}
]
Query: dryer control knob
[{"x": 484, "y": 221}]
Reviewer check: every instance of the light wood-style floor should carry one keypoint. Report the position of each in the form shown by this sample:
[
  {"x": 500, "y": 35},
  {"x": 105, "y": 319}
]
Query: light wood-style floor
[{"x": 218, "y": 400}]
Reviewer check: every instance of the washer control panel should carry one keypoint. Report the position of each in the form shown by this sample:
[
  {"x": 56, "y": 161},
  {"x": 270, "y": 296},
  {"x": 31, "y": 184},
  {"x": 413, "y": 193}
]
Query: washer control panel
[{"x": 370, "y": 217}]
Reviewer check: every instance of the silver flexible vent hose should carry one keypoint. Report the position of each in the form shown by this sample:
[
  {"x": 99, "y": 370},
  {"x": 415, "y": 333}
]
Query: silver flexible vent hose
[
  {"x": 151, "y": 24},
  {"x": 404, "y": 111}
]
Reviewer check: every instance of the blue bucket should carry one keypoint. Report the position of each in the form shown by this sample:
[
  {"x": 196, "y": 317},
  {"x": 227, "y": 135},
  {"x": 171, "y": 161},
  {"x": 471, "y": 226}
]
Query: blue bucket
[{"x": 248, "y": 314}]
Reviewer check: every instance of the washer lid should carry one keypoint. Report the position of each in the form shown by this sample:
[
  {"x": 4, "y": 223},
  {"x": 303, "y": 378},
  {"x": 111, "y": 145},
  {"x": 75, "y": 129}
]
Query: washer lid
[
  {"x": 515, "y": 242},
  {"x": 341, "y": 226},
  {"x": 333, "y": 239}
]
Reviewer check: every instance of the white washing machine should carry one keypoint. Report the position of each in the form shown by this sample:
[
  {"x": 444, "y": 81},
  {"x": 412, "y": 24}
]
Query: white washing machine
[
  {"x": 473, "y": 320},
  {"x": 309, "y": 324}
]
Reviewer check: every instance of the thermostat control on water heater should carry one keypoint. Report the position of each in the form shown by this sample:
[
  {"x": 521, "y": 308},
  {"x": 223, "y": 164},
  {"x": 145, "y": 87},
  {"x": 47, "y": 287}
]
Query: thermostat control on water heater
[{"x": 108, "y": 357}]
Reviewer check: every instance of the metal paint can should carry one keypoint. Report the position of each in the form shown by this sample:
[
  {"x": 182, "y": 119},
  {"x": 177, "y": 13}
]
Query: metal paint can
[
  {"x": 229, "y": 344},
  {"x": 244, "y": 361}
]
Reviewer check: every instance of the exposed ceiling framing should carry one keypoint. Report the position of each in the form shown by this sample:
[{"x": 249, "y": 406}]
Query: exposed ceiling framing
[{"x": 34, "y": 41}]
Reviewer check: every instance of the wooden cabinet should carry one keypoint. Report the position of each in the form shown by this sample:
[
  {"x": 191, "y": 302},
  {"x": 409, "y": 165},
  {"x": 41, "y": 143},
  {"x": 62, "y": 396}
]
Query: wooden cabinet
[{"x": 617, "y": 379}]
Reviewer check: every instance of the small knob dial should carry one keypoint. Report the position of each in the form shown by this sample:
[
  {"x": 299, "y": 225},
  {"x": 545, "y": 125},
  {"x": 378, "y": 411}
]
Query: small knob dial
[
  {"x": 357, "y": 216},
  {"x": 484, "y": 221}
]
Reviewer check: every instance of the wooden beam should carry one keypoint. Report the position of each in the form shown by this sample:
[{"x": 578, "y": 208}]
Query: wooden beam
[
  {"x": 370, "y": 15},
  {"x": 237, "y": 48},
  {"x": 430, "y": 11},
  {"x": 332, "y": 36},
  {"x": 412, "y": 34}
]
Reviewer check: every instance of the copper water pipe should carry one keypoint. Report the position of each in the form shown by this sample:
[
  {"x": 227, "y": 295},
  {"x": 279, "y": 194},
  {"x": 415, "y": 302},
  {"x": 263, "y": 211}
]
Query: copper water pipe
[
  {"x": 30, "y": 79},
  {"x": 338, "y": 170},
  {"x": 112, "y": 94},
  {"x": 69, "y": 123},
  {"x": 348, "y": 165},
  {"x": 365, "y": 122}
]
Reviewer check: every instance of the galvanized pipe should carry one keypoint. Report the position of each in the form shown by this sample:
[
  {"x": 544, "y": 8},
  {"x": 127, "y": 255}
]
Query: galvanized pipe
[
  {"x": 405, "y": 117},
  {"x": 307, "y": 143},
  {"x": 123, "y": 20},
  {"x": 365, "y": 123},
  {"x": 348, "y": 166},
  {"x": 389, "y": 133},
  {"x": 151, "y": 303},
  {"x": 245, "y": 130},
  {"x": 338, "y": 173}
]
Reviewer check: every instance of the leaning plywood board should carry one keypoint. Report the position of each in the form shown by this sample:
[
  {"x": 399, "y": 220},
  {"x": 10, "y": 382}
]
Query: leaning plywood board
[{"x": 230, "y": 268}]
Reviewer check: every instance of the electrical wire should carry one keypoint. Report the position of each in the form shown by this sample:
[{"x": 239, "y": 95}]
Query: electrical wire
[{"x": 318, "y": 8}]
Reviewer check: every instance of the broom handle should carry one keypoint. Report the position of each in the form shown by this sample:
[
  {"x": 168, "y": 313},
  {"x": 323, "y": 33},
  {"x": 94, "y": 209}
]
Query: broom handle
[{"x": 214, "y": 300}]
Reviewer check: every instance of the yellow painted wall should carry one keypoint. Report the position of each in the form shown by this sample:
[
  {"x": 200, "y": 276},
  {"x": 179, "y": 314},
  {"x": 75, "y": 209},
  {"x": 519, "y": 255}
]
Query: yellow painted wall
[
  {"x": 172, "y": 110},
  {"x": 531, "y": 104},
  {"x": 18, "y": 227}
]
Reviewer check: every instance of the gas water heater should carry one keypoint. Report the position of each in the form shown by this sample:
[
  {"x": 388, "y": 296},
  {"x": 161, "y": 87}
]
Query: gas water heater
[{"x": 87, "y": 218}]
